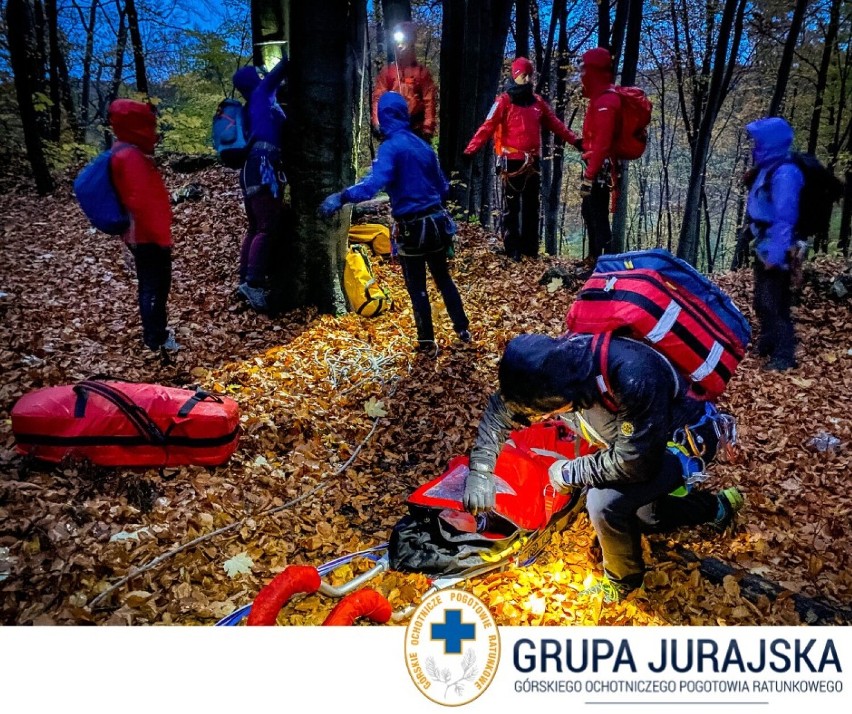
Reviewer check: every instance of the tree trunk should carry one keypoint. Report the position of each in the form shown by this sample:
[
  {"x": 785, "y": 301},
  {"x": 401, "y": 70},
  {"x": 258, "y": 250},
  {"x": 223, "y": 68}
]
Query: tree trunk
[
  {"x": 628, "y": 78},
  {"x": 725, "y": 53},
  {"x": 603, "y": 23},
  {"x": 554, "y": 190},
  {"x": 486, "y": 26},
  {"x": 321, "y": 82},
  {"x": 88, "y": 52},
  {"x": 270, "y": 26},
  {"x": 53, "y": 70},
  {"x": 619, "y": 26},
  {"x": 787, "y": 57},
  {"x": 522, "y": 28},
  {"x": 138, "y": 50},
  {"x": 60, "y": 86},
  {"x": 22, "y": 41},
  {"x": 822, "y": 75}
]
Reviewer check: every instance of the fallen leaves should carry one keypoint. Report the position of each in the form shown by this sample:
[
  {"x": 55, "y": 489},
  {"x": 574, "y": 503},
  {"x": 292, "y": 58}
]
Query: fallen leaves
[
  {"x": 309, "y": 388},
  {"x": 240, "y": 564}
]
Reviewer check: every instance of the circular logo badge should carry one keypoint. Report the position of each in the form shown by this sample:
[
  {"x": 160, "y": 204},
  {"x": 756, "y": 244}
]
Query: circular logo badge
[
  {"x": 452, "y": 647},
  {"x": 627, "y": 428}
]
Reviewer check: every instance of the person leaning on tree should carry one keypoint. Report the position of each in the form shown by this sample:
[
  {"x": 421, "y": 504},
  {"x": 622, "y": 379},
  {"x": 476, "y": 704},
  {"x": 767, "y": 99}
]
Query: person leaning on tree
[
  {"x": 407, "y": 167},
  {"x": 772, "y": 213},
  {"x": 516, "y": 120},
  {"x": 631, "y": 478},
  {"x": 406, "y": 76},
  {"x": 262, "y": 179}
]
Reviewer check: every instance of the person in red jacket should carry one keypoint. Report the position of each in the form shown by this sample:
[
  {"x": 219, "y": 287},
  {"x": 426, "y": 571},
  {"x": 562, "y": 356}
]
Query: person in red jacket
[
  {"x": 412, "y": 80},
  {"x": 143, "y": 193},
  {"x": 600, "y": 128},
  {"x": 516, "y": 118}
]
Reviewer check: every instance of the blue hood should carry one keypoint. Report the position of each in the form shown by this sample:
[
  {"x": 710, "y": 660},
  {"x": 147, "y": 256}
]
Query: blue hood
[
  {"x": 772, "y": 139},
  {"x": 393, "y": 113},
  {"x": 246, "y": 80}
]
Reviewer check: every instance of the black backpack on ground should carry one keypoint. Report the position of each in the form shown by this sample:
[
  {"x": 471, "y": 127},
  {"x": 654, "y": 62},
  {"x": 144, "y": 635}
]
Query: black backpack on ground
[{"x": 820, "y": 191}]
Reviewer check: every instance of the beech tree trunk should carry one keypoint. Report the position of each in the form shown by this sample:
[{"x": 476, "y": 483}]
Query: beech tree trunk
[{"x": 20, "y": 28}]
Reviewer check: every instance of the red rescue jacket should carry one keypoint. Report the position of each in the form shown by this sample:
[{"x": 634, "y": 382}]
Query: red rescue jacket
[
  {"x": 518, "y": 128},
  {"x": 417, "y": 88},
  {"x": 602, "y": 119},
  {"x": 137, "y": 181}
]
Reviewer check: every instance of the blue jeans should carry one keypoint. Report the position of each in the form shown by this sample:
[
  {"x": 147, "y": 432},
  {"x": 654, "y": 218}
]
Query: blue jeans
[
  {"x": 154, "y": 274},
  {"x": 414, "y": 271},
  {"x": 620, "y": 514}
]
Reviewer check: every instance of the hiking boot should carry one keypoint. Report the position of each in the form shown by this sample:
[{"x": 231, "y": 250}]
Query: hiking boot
[
  {"x": 170, "y": 345},
  {"x": 429, "y": 348},
  {"x": 256, "y": 297},
  {"x": 465, "y": 336},
  {"x": 612, "y": 590},
  {"x": 731, "y": 502},
  {"x": 781, "y": 364}
]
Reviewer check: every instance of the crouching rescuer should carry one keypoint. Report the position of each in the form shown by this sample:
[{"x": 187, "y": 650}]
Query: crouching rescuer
[{"x": 654, "y": 441}]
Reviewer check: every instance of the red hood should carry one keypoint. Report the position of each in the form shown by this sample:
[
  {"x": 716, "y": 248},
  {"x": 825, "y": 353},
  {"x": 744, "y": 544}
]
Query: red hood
[
  {"x": 597, "y": 72},
  {"x": 135, "y": 123}
]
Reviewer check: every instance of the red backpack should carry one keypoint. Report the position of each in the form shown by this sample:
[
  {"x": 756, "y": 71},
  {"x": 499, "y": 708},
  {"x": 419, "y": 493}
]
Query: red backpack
[{"x": 635, "y": 117}]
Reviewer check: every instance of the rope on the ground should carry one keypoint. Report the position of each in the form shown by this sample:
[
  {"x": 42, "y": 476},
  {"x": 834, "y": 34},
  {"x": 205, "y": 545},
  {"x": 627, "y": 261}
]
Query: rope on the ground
[
  {"x": 359, "y": 362},
  {"x": 224, "y": 529}
]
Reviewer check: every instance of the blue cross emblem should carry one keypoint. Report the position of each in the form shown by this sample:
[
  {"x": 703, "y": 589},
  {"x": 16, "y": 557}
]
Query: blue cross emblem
[{"x": 453, "y": 631}]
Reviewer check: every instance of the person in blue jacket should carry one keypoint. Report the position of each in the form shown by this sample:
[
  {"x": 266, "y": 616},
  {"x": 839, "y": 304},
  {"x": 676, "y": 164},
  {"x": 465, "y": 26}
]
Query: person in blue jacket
[
  {"x": 772, "y": 213},
  {"x": 407, "y": 168},
  {"x": 262, "y": 179}
]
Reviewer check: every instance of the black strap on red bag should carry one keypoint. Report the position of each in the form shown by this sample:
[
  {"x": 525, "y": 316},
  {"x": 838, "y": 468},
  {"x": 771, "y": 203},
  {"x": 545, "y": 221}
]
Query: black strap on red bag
[{"x": 137, "y": 416}]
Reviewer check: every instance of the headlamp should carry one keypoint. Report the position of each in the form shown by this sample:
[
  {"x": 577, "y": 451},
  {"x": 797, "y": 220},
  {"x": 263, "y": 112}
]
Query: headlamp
[{"x": 399, "y": 37}]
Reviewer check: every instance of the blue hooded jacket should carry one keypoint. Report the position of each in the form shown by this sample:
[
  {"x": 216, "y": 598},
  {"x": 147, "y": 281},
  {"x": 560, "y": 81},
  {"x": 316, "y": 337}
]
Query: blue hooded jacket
[
  {"x": 405, "y": 166},
  {"x": 773, "y": 200},
  {"x": 266, "y": 118}
]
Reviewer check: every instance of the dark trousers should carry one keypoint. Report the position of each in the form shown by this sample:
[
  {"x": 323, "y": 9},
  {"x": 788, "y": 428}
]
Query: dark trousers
[
  {"x": 521, "y": 208},
  {"x": 154, "y": 274},
  {"x": 595, "y": 210},
  {"x": 773, "y": 297},
  {"x": 264, "y": 212},
  {"x": 620, "y": 514},
  {"x": 414, "y": 271}
]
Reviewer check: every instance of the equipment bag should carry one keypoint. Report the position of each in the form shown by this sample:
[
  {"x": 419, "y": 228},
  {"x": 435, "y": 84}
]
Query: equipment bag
[
  {"x": 230, "y": 134},
  {"x": 376, "y": 235},
  {"x": 97, "y": 196},
  {"x": 632, "y": 136},
  {"x": 365, "y": 295},
  {"x": 653, "y": 296},
  {"x": 438, "y": 537},
  {"x": 820, "y": 191},
  {"x": 115, "y": 423}
]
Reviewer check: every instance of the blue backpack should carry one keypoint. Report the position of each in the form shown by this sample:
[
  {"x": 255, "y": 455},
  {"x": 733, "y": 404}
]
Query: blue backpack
[
  {"x": 98, "y": 198},
  {"x": 230, "y": 137}
]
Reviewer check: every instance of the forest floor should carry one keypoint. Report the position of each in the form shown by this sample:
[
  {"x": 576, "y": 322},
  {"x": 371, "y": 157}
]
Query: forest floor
[{"x": 68, "y": 533}]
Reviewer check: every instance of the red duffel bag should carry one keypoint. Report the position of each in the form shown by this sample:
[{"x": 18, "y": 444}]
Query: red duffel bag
[{"x": 115, "y": 423}]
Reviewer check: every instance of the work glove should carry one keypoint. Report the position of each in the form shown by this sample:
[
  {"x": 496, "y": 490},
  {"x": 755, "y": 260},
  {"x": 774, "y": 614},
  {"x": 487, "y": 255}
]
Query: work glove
[
  {"x": 479, "y": 492},
  {"x": 331, "y": 205},
  {"x": 586, "y": 187},
  {"x": 561, "y": 481}
]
